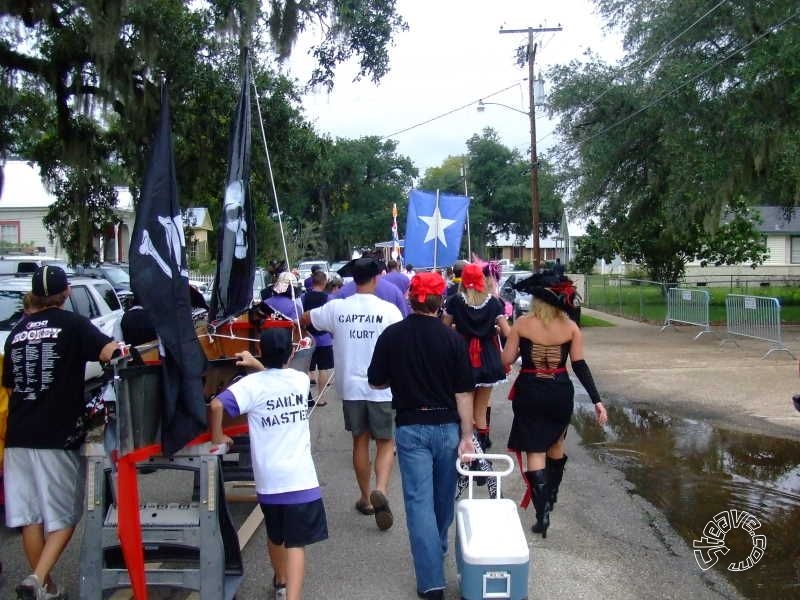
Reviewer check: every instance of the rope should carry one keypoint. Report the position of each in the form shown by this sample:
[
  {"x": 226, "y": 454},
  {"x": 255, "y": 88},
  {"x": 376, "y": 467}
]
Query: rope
[
  {"x": 323, "y": 392},
  {"x": 274, "y": 190}
]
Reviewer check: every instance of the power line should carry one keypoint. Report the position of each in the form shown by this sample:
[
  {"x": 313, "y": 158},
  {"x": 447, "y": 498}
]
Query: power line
[
  {"x": 591, "y": 102},
  {"x": 636, "y": 65},
  {"x": 449, "y": 112},
  {"x": 627, "y": 118}
]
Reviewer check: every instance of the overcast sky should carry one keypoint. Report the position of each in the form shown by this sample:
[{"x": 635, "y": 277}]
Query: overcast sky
[{"x": 452, "y": 55}]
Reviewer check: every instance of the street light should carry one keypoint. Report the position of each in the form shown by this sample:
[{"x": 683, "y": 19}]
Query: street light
[{"x": 536, "y": 251}]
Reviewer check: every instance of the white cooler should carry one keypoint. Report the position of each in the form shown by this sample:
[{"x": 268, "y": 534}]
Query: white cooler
[{"x": 492, "y": 554}]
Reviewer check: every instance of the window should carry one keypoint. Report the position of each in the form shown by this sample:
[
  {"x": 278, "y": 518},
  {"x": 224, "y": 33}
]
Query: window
[
  {"x": 110, "y": 296},
  {"x": 516, "y": 252},
  {"x": 9, "y": 233},
  {"x": 795, "y": 259},
  {"x": 82, "y": 302},
  {"x": 10, "y": 308}
]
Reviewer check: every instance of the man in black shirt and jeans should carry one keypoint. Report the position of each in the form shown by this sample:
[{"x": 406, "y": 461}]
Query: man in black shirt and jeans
[{"x": 425, "y": 364}]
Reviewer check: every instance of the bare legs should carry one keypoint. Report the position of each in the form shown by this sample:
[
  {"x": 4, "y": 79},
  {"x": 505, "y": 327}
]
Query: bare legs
[
  {"x": 323, "y": 377},
  {"x": 384, "y": 462},
  {"x": 556, "y": 451},
  {"x": 289, "y": 565},
  {"x": 479, "y": 404},
  {"x": 536, "y": 460},
  {"x": 361, "y": 465},
  {"x": 43, "y": 551}
]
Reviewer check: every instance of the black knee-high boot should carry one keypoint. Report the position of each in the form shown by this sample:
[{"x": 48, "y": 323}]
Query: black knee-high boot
[
  {"x": 541, "y": 497},
  {"x": 555, "y": 473}
]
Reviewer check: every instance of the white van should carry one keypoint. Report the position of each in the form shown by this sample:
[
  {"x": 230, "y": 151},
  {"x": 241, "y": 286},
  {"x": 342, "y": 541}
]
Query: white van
[
  {"x": 11, "y": 264},
  {"x": 304, "y": 267}
]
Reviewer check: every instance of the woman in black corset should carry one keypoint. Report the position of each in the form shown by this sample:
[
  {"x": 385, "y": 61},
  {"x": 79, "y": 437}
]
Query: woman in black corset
[{"x": 542, "y": 396}]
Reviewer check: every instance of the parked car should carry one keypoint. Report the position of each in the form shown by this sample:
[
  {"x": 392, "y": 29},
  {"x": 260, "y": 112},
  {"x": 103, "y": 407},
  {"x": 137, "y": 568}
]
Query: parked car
[
  {"x": 335, "y": 266},
  {"x": 520, "y": 301},
  {"x": 261, "y": 280},
  {"x": 113, "y": 273},
  {"x": 11, "y": 264},
  {"x": 506, "y": 265},
  {"x": 93, "y": 298},
  {"x": 304, "y": 267}
]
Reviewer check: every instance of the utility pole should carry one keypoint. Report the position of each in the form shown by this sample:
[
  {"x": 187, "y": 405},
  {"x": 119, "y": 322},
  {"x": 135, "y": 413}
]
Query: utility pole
[{"x": 536, "y": 253}]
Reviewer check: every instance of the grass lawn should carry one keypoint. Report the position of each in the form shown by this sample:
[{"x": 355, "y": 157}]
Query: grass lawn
[
  {"x": 589, "y": 321},
  {"x": 646, "y": 301}
]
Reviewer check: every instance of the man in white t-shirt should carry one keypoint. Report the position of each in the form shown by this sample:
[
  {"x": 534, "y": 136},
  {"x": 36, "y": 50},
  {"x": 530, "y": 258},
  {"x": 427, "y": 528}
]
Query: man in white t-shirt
[{"x": 356, "y": 322}]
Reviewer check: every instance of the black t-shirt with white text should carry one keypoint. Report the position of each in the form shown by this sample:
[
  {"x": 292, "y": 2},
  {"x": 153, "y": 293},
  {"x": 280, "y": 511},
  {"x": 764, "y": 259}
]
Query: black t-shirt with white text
[{"x": 44, "y": 366}]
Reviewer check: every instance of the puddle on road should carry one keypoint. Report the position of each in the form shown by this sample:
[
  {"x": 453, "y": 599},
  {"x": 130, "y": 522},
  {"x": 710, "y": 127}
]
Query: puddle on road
[{"x": 692, "y": 471}]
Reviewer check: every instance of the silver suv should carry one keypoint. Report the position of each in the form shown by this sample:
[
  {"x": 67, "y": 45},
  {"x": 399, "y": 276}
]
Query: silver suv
[
  {"x": 519, "y": 300},
  {"x": 93, "y": 298}
]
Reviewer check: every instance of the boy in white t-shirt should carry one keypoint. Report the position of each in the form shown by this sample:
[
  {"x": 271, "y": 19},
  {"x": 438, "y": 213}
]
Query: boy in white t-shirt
[{"x": 275, "y": 399}]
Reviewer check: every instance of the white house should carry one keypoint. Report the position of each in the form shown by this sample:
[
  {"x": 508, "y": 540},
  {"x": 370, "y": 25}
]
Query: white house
[
  {"x": 558, "y": 245},
  {"x": 25, "y": 200},
  {"x": 198, "y": 223},
  {"x": 781, "y": 233}
]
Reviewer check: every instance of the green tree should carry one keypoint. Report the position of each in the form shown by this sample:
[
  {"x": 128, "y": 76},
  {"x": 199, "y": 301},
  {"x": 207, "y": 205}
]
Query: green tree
[
  {"x": 687, "y": 129},
  {"x": 80, "y": 81},
  {"x": 362, "y": 178}
]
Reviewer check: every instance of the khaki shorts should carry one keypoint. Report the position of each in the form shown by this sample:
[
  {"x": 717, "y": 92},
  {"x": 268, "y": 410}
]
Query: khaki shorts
[
  {"x": 362, "y": 416},
  {"x": 43, "y": 486}
]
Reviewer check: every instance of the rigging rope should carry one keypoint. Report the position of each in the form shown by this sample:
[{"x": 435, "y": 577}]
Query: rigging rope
[{"x": 274, "y": 194}]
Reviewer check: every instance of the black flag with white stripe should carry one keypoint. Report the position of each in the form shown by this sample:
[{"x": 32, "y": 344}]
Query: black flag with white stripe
[{"x": 160, "y": 279}]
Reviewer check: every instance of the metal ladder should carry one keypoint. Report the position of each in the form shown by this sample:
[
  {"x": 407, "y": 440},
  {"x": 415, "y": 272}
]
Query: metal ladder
[{"x": 198, "y": 535}]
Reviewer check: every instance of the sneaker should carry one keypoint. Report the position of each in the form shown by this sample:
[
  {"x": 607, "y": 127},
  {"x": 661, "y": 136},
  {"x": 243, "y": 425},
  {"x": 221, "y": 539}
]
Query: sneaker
[
  {"x": 58, "y": 594},
  {"x": 437, "y": 594},
  {"x": 278, "y": 590},
  {"x": 30, "y": 589}
]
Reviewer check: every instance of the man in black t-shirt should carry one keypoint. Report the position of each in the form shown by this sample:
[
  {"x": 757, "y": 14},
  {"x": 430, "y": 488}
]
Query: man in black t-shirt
[
  {"x": 322, "y": 359},
  {"x": 136, "y": 325},
  {"x": 45, "y": 361},
  {"x": 425, "y": 364}
]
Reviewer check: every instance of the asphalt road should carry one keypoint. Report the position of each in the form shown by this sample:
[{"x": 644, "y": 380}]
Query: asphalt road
[{"x": 604, "y": 541}]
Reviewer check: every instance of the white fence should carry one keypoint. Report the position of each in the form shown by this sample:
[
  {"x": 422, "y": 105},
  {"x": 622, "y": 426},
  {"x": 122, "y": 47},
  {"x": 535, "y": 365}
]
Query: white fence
[
  {"x": 689, "y": 307},
  {"x": 206, "y": 279},
  {"x": 757, "y": 317}
]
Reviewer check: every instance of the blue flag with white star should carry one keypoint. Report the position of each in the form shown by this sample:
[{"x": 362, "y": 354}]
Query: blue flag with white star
[{"x": 434, "y": 226}]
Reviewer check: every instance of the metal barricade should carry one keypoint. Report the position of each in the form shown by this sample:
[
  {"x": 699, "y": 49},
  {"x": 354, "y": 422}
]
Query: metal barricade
[
  {"x": 757, "y": 317},
  {"x": 689, "y": 307}
]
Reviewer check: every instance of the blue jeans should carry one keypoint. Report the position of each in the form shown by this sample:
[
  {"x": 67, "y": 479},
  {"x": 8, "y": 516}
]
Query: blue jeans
[{"x": 427, "y": 458}]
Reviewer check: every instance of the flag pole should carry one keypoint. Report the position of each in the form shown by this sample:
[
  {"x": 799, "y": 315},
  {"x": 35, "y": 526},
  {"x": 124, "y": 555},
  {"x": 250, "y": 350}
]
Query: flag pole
[
  {"x": 466, "y": 193},
  {"x": 436, "y": 239}
]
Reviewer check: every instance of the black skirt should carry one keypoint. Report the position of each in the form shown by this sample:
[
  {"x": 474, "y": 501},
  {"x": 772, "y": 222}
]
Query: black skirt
[{"x": 542, "y": 412}]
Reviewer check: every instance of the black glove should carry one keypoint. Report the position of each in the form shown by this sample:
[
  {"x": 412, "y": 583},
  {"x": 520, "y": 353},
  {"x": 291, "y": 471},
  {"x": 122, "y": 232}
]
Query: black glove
[{"x": 581, "y": 369}]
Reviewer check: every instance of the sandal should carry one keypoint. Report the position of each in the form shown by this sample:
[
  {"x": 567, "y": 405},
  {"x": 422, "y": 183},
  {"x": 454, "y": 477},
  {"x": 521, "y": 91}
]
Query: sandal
[
  {"x": 364, "y": 508},
  {"x": 383, "y": 514},
  {"x": 325, "y": 403}
]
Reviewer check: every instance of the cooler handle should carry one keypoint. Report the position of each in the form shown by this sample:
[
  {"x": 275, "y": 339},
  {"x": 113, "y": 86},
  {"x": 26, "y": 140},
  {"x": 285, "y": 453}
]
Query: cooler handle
[
  {"x": 470, "y": 456},
  {"x": 497, "y": 575}
]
